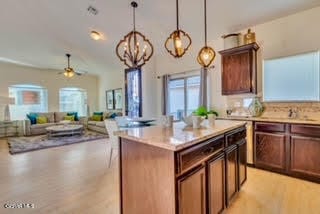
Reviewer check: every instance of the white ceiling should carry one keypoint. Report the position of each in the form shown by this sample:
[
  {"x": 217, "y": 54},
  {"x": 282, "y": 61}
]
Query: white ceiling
[{"x": 40, "y": 32}]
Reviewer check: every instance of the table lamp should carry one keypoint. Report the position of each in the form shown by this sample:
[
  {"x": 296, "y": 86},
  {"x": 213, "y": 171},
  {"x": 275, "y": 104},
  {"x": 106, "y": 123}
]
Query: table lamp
[{"x": 6, "y": 101}]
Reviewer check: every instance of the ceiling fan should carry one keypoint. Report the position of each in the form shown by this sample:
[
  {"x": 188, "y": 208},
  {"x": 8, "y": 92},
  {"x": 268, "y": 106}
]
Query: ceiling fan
[{"x": 70, "y": 72}]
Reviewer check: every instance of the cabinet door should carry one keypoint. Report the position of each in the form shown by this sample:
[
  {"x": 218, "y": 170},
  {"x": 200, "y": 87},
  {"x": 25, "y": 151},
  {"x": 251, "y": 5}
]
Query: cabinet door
[
  {"x": 231, "y": 173},
  {"x": 270, "y": 151},
  {"x": 236, "y": 74},
  {"x": 305, "y": 156},
  {"x": 216, "y": 184},
  {"x": 192, "y": 192},
  {"x": 242, "y": 155}
]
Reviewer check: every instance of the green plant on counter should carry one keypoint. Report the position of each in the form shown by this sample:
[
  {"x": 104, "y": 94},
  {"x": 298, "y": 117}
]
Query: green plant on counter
[{"x": 203, "y": 112}]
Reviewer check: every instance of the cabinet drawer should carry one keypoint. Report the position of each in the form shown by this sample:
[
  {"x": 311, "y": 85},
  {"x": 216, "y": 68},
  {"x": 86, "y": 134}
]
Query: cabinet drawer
[
  {"x": 235, "y": 136},
  {"x": 270, "y": 127},
  {"x": 188, "y": 157},
  {"x": 312, "y": 131}
]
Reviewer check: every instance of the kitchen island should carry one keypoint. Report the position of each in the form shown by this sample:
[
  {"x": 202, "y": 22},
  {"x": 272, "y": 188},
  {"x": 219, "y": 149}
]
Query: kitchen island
[{"x": 181, "y": 169}]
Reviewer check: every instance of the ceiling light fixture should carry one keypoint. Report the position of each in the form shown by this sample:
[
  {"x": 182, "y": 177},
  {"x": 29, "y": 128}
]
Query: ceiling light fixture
[
  {"x": 95, "y": 35},
  {"x": 207, "y": 54},
  {"x": 134, "y": 50},
  {"x": 68, "y": 72},
  {"x": 175, "y": 42}
]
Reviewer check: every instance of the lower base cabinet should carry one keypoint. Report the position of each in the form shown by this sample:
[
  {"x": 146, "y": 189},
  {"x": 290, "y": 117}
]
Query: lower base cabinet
[
  {"x": 242, "y": 155},
  {"x": 290, "y": 149},
  {"x": 192, "y": 192},
  {"x": 305, "y": 156},
  {"x": 231, "y": 173},
  {"x": 216, "y": 184}
]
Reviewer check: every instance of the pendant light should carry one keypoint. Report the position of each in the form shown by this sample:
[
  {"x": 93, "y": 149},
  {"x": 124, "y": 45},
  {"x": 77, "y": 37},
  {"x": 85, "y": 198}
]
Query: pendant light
[
  {"x": 179, "y": 41},
  {"x": 206, "y": 55},
  {"x": 68, "y": 72},
  {"x": 134, "y": 50}
]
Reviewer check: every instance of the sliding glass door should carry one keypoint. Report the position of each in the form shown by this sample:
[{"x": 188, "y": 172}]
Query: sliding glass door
[
  {"x": 133, "y": 92},
  {"x": 183, "y": 96}
]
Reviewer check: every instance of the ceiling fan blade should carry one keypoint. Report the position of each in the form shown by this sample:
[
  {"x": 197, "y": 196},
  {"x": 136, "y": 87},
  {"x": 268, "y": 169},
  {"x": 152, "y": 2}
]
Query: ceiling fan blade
[{"x": 81, "y": 72}]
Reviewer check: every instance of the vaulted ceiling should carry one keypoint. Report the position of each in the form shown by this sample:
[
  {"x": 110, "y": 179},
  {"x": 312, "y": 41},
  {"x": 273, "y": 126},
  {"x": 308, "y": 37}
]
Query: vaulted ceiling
[{"x": 40, "y": 32}]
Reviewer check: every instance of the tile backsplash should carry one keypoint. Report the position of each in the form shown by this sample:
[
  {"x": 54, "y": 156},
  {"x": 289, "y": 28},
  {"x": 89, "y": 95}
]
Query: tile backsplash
[
  {"x": 239, "y": 107},
  {"x": 281, "y": 110}
]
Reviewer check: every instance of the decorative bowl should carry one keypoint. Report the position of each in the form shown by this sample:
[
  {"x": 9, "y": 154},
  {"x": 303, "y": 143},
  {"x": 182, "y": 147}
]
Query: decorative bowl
[{"x": 188, "y": 120}]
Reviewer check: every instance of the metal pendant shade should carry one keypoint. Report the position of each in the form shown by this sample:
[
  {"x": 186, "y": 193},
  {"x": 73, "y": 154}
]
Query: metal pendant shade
[
  {"x": 207, "y": 54},
  {"x": 134, "y": 50},
  {"x": 179, "y": 41}
]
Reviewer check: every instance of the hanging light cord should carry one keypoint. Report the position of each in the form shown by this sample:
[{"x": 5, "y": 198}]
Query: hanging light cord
[
  {"x": 205, "y": 22},
  {"x": 134, "y": 5},
  {"x": 68, "y": 55},
  {"x": 177, "y": 8}
]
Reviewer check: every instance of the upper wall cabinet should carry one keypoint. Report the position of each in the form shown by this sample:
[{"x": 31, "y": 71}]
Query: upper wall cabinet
[{"x": 239, "y": 69}]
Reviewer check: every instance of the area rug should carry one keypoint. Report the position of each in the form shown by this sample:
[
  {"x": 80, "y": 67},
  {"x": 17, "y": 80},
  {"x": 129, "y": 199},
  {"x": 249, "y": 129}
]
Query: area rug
[{"x": 26, "y": 144}]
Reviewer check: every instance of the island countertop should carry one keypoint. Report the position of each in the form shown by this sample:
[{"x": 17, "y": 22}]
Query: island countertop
[{"x": 179, "y": 136}]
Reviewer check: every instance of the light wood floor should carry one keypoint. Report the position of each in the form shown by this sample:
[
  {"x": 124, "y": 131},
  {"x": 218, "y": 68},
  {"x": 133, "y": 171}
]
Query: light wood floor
[{"x": 75, "y": 179}]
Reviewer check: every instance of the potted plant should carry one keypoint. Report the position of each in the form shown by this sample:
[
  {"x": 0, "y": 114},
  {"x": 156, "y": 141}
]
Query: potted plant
[{"x": 203, "y": 112}]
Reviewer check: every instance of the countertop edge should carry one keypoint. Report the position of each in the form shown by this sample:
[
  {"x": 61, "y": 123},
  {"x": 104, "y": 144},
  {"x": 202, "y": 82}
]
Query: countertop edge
[
  {"x": 272, "y": 120},
  {"x": 176, "y": 148}
]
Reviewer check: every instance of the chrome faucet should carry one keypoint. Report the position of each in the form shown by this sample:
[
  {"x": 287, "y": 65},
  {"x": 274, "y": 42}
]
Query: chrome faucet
[{"x": 293, "y": 113}]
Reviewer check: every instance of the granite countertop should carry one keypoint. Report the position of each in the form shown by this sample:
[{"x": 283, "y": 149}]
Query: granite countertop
[
  {"x": 179, "y": 136},
  {"x": 307, "y": 121}
]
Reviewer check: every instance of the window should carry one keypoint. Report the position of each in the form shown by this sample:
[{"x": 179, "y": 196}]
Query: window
[
  {"x": 183, "y": 96},
  {"x": 133, "y": 93},
  {"x": 28, "y": 98},
  {"x": 73, "y": 100},
  {"x": 292, "y": 78}
]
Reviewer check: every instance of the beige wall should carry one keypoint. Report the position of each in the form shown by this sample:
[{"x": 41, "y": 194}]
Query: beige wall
[
  {"x": 115, "y": 79},
  {"x": 285, "y": 36},
  {"x": 11, "y": 74},
  {"x": 108, "y": 81}
]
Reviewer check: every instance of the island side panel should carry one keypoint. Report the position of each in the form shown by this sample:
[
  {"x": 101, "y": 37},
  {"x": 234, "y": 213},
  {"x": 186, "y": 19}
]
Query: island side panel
[{"x": 147, "y": 179}]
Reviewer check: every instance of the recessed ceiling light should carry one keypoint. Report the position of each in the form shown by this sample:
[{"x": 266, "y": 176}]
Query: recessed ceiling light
[{"x": 95, "y": 35}]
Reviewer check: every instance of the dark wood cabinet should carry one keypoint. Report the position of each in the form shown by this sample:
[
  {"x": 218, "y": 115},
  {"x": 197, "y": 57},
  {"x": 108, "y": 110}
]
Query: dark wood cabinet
[
  {"x": 291, "y": 149},
  {"x": 231, "y": 173},
  {"x": 216, "y": 184},
  {"x": 305, "y": 156},
  {"x": 192, "y": 192},
  {"x": 242, "y": 156},
  {"x": 270, "y": 151},
  {"x": 239, "y": 70}
]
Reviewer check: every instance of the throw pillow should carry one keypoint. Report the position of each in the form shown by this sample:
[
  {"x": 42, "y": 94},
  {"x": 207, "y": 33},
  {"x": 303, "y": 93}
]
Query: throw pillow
[
  {"x": 98, "y": 113},
  {"x": 42, "y": 120},
  {"x": 70, "y": 118},
  {"x": 32, "y": 118},
  {"x": 97, "y": 117},
  {"x": 75, "y": 114},
  {"x": 113, "y": 115}
]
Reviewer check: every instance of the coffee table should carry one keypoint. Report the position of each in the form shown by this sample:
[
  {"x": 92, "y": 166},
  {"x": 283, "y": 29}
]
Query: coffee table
[{"x": 64, "y": 130}]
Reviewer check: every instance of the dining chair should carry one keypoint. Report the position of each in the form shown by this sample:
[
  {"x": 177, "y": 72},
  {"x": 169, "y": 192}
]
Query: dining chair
[{"x": 112, "y": 126}]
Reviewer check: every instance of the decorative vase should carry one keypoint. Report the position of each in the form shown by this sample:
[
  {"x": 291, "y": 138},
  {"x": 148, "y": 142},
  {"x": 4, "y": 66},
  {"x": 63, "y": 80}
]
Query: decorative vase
[
  {"x": 255, "y": 108},
  {"x": 250, "y": 37}
]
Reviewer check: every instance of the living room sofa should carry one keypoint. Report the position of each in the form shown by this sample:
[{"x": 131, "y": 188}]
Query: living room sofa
[
  {"x": 54, "y": 118},
  {"x": 99, "y": 126}
]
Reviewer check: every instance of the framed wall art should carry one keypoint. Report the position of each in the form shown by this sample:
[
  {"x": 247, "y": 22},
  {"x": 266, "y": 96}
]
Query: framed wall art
[
  {"x": 118, "y": 98},
  {"x": 110, "y": 99}
]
